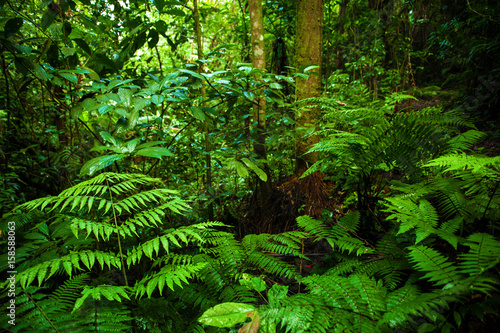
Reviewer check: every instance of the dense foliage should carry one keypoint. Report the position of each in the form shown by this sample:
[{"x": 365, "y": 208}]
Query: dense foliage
[{"x": 154, "y": 177}]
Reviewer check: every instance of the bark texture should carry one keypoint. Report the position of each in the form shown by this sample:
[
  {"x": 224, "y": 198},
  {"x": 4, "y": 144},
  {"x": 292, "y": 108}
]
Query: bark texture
[
  {"x": 308, "y": 47},
  {"x": 259, "y": 113}
]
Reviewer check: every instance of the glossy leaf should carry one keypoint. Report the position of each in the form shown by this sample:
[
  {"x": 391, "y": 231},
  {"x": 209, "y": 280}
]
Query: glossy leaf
[
  {"x": 156, "y": 152},
  {"x": 260, "y": 173},
  {"x": 226, "y": 314},
  {"x": 99, "y": 163}
]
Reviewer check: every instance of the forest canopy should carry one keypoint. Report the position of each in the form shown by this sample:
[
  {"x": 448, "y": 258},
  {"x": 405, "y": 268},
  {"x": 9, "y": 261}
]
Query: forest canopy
[{"x": 249, "y": 166}]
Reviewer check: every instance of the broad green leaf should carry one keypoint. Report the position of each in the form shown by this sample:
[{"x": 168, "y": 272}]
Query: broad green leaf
[
  {"x": 226, "y": 314},
  {"x": 83, "y": 45},
  {"x": 159, "y": 4},
  {"x": 273, "y": 96},
  {"x": 240, "y": 168},
  {"x": 68, "y": 51},
  {"x": 47, "y": 19},
  {"x": 175, "y": 12},
  {"x": 41, "y": 73},
  {"x": 93, "y": 75},
  {"x": 99, "y": 163},
  {"x": 249, "y": 95},
  {"x": 260, "y": 173},
  {"x": 108, "y": 137},
  {"x": 12, "y": 26},
  {"x": 192, "y": 73},
  {"x": 157, "y": 99},
  {"x": 70, "y": 77},
  {"x": 156, "y": 152},
  {"x": 275, "y": 85},
  {"x": 198, "y": 113},
  {"x": 161, "y": 26},
  {"x": 153, "y": 38},
  {"x": 105, "y": 109},
  {"x": 258, "y": 284}
]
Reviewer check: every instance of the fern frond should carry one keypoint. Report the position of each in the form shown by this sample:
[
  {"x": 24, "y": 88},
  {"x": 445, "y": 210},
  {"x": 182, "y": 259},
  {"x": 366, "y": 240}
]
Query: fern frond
[
  {"x": 167, "y": 276},
  {"x": 484, "y": 253},
  {"x": 236, "y": 293},
  {"x": 199, "y": 295},
  {"x": 284, "y": 243},
  {"x": 314, "y": 227},
  {"x": 484, "y": 166},
  {"x": 270, "y": 265},
  {"x": 111, "y": 293},
  {"x": 420, "y": 215},
  {"x": 357, "y": 293},
  {"x": 68, "y": 264},
  {"x": 67, "y": 294},
  {"x": 407, "y": 302},
  {"x": 21, "y": 220},
  {"x": 435, "y": 264},
  {"x": 174, "y": 236},
  {"x": 350, "y": 221}
]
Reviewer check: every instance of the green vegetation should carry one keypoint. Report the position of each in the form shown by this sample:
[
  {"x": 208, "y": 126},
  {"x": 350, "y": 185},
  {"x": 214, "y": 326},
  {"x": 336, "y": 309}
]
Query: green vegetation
[{"x": 249, "y": 166}]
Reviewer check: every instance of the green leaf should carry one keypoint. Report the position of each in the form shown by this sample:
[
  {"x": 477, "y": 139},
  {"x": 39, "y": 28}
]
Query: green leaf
[
  {"x": 260, "y": 173},
  {"x": 275, "y": 85},
  {"x": 68, "y": 51},
  {"x": 108, "y": 137},
  {"x": 47, "y": 19},
  {"x": 153, "y": 38},
  {"x": 70, "y": 77},
  {"x": 426, "y": 327},
  {"x": 175, "y": 12},
  {"x": 249, "y": 95},
  {"x": 93, "y": 75},
  {"x": 12, "y": 26},
  {"x": 192, "y": 73},
  {"x": 105, "y": 109},
  {"x": 436, "y": 265},
  {"x": 198, "y": 113},
  {"x": 226, "y": 314},
  {"x": 258, "y": 284},
  {"x": 157, "y": 99},
  {"x": 241, "y": 170},
  {"x": 273, "y": 96},
  {"x": 99, "y": 163},
  {"x": 159, "y": 4},
  {"x": 161, "y": 26},
  {"x": 41, "y": 73},
  {"x": 309, "y": 68},
  {"x": 156, "y": 152},
  {"x": 83, "y": 45}
]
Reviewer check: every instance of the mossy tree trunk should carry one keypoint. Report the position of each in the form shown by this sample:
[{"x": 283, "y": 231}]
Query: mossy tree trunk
[
  {"x": 308, "y": 45},
  {"x": 259, "y": 113}
]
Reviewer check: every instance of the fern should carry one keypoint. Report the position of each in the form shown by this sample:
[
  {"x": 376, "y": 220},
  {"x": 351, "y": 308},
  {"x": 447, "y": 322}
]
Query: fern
[
  {"x": 484, "y": 254},
  {"x": 438, "y": 268},
  {"x": 37, "y": 311}
]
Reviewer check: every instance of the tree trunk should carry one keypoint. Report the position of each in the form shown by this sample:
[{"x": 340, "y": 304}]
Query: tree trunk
[
  {"x": 308, "y": 45},
  {"x": 338, "y": 60},
  {"x": 259, "y": 113},
  {"x": 208, "y": 157}
]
